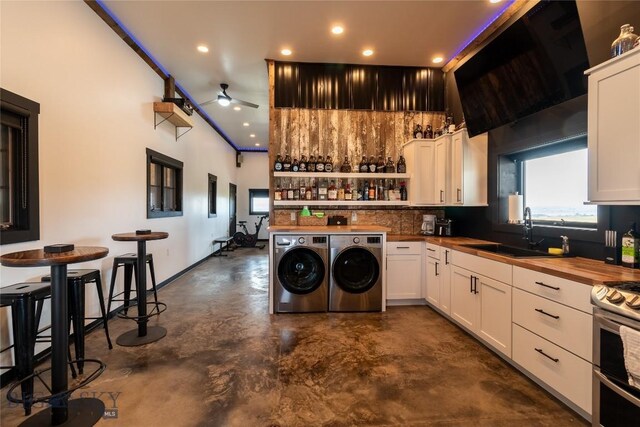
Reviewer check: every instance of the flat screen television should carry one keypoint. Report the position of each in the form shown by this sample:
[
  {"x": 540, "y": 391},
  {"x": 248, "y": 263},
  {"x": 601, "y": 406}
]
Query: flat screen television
[{"x": 537, "y": 62}]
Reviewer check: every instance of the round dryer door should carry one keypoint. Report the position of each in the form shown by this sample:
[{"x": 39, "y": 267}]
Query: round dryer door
[
  {"x": 356, "y": 270},
  {"x": 301, "y": 271}
]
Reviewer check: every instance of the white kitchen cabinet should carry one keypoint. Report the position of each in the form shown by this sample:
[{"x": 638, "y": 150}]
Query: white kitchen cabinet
[
  {"x": 495, "y": 314},
  {"x": 465, "y": 307},
  {"x": 404, "y": 270},
  {"x": 440, "y": 169},
  {"x": 420, "y": 156},
  {"x": 444, "y": 271},
  {"x": 466, "y": 176},
  {"x": 614, "y": 130},
  {"x": 433, "y": 274}
]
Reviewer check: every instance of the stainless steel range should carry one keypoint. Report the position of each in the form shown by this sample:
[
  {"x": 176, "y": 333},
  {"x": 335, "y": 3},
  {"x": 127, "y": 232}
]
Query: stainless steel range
[{"x": 615, "y": 401}]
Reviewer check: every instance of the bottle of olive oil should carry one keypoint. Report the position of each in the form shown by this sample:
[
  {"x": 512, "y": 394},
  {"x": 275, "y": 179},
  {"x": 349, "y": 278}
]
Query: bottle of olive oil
[{"x": 631, "y": 247}]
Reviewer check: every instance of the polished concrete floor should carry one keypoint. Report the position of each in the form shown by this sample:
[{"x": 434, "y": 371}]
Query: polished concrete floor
[{"x": 226, "y": 362}]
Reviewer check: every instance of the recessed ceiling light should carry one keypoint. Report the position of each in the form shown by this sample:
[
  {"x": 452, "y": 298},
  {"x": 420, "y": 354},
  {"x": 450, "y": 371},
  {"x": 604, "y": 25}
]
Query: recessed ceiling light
[
  {"x": 253, "y": 135},
  {"x": 286, "y": 52},
  {"x": 437, "y": 59},
  {"x": 495, "y": 1},
  {"x": 237, "y": 108},
  {"x": 245, "y": 124},
  {"x": 202, "y": 48},
  {"x": 367, "y": 52},
  {"x": 257, "y": 144},
  {"x": 337, "y": 29}
]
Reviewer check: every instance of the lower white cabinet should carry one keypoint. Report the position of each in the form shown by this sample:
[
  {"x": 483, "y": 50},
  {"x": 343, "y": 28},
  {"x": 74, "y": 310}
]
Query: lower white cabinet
[
  {"x": 444, "y": 275},
  {"x": 482, "y": 305},
  {"x": 404, "y": 270}
]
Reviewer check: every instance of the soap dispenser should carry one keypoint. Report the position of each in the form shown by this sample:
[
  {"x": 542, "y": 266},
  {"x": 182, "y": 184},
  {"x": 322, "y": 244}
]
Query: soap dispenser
[{"x": 565, "y": 245}]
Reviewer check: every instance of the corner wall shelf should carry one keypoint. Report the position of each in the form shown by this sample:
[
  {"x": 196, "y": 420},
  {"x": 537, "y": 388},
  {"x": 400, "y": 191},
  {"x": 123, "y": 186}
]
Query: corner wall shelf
[{"x": 173, "y": 114}]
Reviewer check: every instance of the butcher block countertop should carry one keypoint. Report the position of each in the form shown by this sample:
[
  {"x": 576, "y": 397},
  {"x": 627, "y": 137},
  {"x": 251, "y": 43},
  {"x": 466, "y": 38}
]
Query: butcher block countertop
[
  {"x": 583, "y": 270},
  {"x": 327, "y": 229}
]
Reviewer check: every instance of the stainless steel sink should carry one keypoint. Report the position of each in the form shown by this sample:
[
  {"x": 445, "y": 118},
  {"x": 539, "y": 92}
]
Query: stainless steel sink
[{"x": 511, "y": 251}]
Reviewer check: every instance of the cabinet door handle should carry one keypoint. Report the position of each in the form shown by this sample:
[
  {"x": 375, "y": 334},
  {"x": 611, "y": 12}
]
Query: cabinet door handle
[
  {"x": 547, "y": 286},
  {"x": 471, "y": 284},
  {"x": 539, "y": 310},
  {"x": 475, "y": 285},
  {"x": 539, "y": 350},
  {"x": 431, "y": 250},
  {"x": 442, "y": 196},
  {"x": 436, "y": 268},
  {"x": 446, "y": 257},
  {"x": 402, "y": 247},
  {"x": 459, "y": 195}
]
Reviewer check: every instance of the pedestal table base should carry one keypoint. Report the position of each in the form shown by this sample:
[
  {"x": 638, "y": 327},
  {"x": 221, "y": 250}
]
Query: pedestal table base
[
  {"x": 131, "y": 338},
  {"x": 82, "y": 412}
]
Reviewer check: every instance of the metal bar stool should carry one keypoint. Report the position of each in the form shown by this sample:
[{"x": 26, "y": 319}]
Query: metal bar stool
[
  {"x": 77, "y": 279},
  {"x": 129, "y": 261},
  {"x": 23, "y": 297}
]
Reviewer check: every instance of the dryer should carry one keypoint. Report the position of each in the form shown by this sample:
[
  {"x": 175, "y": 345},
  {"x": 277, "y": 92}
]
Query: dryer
[
  {"x": 355, "y": 283},
  {"x": 301, "y": 275}
]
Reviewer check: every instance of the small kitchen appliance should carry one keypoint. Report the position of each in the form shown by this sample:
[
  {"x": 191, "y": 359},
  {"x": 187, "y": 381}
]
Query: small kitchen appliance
[
  {"x": 428, "y": 226},
  {"x": 444, "y": 227}
]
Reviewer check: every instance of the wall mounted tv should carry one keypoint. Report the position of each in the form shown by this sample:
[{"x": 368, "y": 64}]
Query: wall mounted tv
[{"x": 537, "y": 62}]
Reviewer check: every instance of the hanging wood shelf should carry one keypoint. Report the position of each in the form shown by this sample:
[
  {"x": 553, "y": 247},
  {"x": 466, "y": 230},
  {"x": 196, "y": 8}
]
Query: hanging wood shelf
[{"x": 173, "y": 114}]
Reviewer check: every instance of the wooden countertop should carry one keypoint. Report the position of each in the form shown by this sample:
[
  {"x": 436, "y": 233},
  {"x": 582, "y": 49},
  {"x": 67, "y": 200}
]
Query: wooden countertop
[
  {"x": 583, "y": 270},
  {"x": 327, "y": 229}
]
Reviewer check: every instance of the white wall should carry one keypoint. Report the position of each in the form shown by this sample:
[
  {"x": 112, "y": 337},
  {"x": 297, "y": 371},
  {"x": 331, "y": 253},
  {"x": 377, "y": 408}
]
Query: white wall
[
  {"x": 96, "y": 121},
  {"x": 254, "y": 173}
]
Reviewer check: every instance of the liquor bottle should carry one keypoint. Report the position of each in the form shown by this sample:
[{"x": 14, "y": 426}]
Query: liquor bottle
[
  {"x": 278, "y": 193},
  {"x": 417, "y": 132},
  {"x": 364, "y": 166},
  {"x": 428, "y": 133},
  {"x": 328, "y": 165},
  {"x": 295, "y": 166},
  {"x": 365, "y": 190},
  {"x": 308, "y": 193},
  {"x": 311, "y": 165},
  {"x": 372, "y": 190},
  {"x": 340, "y": 190},
  {"x": 390, "y": 167},
  {"x": 314, "y": 190},
  {"x": 285, "y": 193},
  {"x": 630, "y": 248},
  {"x": 346, "y": 165},
  {"x": 403, "y": 191},
  {"x": 277, "y": 166},
  {"x": 348, "y": 195},
  {"x": 286, "y": 165},
  {"x": 303, "y": 163},
  {"x": 322, "y": 189},
  {"x": 290, "y": 191},
  {"x": 332, "y": 193},
  {"x": 380, "y": 190},
  {"x": 320, "y": 164},
  {"x": 303, "y": 189},
  {"x": 402, "y": 165},
  {"x": 380, "y": 165},
  {"x": 372, "y": 164}
]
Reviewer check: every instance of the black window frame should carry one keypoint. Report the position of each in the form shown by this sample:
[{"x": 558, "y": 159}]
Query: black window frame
[
  {"x": 212, "y": 187},
  {"x": 26, "y": 195},
  {"x": 257, "y": 192},
  {"x": 165, "y": 162}
]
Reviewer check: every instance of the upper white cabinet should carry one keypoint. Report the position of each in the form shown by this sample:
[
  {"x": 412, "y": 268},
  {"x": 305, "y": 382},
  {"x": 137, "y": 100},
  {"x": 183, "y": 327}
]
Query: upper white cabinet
[
  {"x": 450, "y": 170},
  {"x": 614, "y": 130}
]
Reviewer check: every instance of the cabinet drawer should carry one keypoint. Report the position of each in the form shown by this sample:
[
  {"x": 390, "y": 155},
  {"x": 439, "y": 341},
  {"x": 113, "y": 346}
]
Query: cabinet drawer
[
  {"x": 567, "y": 292},
  {"x": 404, "y": 248},
  {"x": 433, "y": 251},
  {"x": 568, "y": 374},
  {"x": 486, "y": 267},
  {"x": 572, "y": 329}
]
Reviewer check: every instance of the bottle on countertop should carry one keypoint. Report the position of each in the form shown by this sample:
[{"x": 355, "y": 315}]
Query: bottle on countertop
[
  {"x": 311, "y": 165},
  {"x": 295, "y": 166},
  {"x": 277, "y": 165},
  {"x": 320, "y": 164},
  {"x": 402, "y": 165},
  {"x": 303, "y": 163},
  {"x": 328, "y": 165},
  {"x": 346, "y": 165},
  {"x": 364, "y": 166},
  {"x": 390, "y": 166},
  {"x": 631, "y": 248},
  {"x": 286, "y": 164},
  {"x": 372, "y": 164}
]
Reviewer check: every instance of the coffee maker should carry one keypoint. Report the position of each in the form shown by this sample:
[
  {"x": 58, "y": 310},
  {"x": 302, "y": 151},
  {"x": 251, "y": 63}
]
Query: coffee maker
[{"x": 428, "y": 226}]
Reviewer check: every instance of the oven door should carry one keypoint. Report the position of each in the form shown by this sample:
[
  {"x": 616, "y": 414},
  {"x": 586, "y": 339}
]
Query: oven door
[{"x": 615, "y": 402}]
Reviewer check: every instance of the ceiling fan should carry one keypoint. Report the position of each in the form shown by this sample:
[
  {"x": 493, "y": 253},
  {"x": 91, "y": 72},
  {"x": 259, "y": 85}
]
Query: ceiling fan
[{"x": 224, "y": 99}]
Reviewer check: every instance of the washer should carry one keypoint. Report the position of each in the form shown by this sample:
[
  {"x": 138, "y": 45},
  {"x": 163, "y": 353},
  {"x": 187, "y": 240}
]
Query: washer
[
  {"x": 355, "y": 283},
  {"x": 300, "y": 273}
]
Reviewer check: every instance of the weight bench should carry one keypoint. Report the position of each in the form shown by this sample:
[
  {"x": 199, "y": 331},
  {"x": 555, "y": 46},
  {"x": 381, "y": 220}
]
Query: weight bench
[{"x": 225, "y": 243}]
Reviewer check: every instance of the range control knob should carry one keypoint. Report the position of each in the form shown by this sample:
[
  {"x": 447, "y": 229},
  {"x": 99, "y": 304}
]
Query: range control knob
[
  {"x": 601, "y": 291},
  {"x": 356, "y": 240},
  {"x": 301, "y": 240},
  {"x": 615, "y": 297},
  {"x": 634, "y": 302}
]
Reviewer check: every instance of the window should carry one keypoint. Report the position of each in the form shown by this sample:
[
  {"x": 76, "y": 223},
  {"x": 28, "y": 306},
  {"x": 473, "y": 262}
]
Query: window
[
  {"x": 164, "y": 185},
  {"x": 213, "y": 194},
  {"x": 19, "y": 209},
  {"x": 258, "y": 202}
]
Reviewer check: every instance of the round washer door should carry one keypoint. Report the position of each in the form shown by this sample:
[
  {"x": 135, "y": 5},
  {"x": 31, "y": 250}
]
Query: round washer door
[
  {"x": 301, "y": 271},
  {"x": 356, "y": 270}
]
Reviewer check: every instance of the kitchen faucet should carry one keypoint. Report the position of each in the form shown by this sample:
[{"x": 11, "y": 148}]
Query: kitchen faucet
[{"x": 528, "y": 229}]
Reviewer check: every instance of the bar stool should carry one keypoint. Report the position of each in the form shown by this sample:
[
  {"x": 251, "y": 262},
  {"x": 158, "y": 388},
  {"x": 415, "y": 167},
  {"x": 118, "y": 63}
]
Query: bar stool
[
  {"x": 22, "y": 297},
  {"x": 129, "y": 261},
  {"x": 76, "y": 280}
]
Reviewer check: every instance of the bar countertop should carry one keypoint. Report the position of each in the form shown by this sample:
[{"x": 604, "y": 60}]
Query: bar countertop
[{"x": 583, "y": 270}]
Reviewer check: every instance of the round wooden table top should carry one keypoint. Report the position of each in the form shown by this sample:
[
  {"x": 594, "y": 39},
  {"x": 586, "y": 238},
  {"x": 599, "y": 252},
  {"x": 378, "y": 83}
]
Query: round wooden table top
[
  {"x": 38, "y": 257},
  {"x": 127, "y": 237}
]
